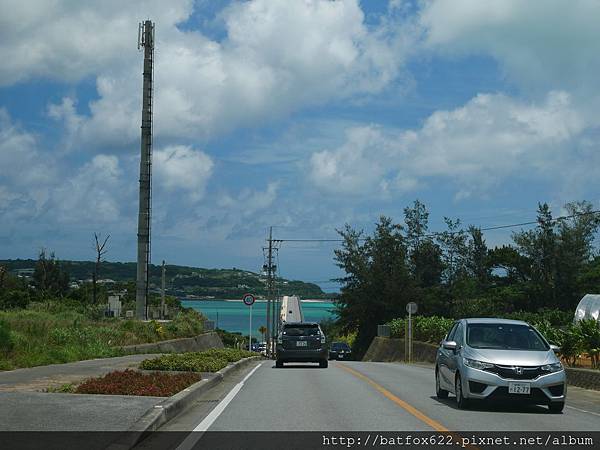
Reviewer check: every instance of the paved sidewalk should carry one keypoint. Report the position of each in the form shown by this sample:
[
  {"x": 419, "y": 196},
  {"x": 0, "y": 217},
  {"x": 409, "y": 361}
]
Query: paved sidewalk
[
  {"x": 37, "y": 379},
  {"x": 25, "y": 407}
]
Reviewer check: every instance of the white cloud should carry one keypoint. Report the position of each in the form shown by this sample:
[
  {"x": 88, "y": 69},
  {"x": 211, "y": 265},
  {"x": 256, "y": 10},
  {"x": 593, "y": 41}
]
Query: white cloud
[
  {"x": 183, "y": 168},
  {"x": 541, "y": 44},
  {"x": 358, "y": 166},
  {"x": 491, "y": 138},
  {"x": 277, "y": 57},
  {"x": 93, "y": 194},
  {"x": 70, "y": 39}
]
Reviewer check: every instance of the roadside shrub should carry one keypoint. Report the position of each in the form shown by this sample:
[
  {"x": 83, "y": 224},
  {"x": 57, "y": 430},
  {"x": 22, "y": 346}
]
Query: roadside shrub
[
  {"x": 571, "y": 344},
  {"x": 6, "y": 339},
  {"x": 14, "y": 299},
  {"x": 230, "y": 354},
  {"x": 554, "y": 317},
  {"x": 425, "y": 329},
  {"x": 590, "y": 337},
  {"x": 207, "y": 361},
  {"x": 131, "y": 382},
  {"x": 187, "y": 362},
  {"x": 551, "y": 333}
]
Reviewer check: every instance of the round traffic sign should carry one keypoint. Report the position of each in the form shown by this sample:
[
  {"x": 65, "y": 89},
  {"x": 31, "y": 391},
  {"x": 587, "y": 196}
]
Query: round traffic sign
[
  {"x": 411, "y": 307},
  {"x": 248, "y": 299}
]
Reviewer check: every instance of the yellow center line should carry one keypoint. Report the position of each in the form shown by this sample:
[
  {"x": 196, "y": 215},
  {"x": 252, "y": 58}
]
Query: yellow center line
[
  {"x": 404, "y": 405},
  {"x": 398, "y": 401}
]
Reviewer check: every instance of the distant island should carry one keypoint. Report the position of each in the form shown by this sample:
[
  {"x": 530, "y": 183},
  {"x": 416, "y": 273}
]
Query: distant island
[{"x": 182, "y": 281}]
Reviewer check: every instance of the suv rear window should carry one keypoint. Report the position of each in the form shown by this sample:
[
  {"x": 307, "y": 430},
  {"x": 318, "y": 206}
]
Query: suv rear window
[{"x": 301, "y": 330}]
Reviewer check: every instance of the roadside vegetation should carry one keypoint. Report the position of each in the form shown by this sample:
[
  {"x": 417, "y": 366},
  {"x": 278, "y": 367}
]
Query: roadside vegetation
[
  {"x": 45, "y": 320},
  {"x": 453, "y": 273},
  {"x": 211, "y": 360},
  {"x": 132, "y": 382},
  {"x": 52, "y": 333}
]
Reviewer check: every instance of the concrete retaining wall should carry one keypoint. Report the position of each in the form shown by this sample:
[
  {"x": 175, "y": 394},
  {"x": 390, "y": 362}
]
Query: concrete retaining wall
[
  {"x": 585, "y": 378},
  {"x": 193, "y": 344},
  {"x": 392, "y": 350}
]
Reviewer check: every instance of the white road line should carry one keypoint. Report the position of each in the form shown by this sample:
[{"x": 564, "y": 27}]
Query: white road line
[
  {"x": 196, "y": 434},
  {"x": 582, "y": 410}
]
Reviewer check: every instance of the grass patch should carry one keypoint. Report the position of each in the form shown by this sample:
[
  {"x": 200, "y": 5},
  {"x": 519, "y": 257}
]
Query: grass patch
[
  {"x": 211, "y": 360},
  {"x": 131, "y": 382},
  {"x": 51, "y": 334},
  {"x": 67, "y": 388}
]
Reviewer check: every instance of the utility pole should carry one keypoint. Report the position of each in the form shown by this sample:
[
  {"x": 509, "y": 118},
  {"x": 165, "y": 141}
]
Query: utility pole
[
  {"x": 162, "y": 297},
  {"x": 272, "y": 321},
  {"x": 269, "y": 291},
  {"x": 145, "y": 40}
]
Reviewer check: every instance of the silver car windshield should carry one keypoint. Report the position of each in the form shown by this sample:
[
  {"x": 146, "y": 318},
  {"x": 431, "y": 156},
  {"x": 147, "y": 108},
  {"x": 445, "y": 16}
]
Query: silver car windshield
[{"x": 504, "y": 337}]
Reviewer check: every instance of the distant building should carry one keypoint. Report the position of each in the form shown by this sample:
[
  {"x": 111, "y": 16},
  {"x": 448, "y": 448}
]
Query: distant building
[{"x": 24, "y": 273}]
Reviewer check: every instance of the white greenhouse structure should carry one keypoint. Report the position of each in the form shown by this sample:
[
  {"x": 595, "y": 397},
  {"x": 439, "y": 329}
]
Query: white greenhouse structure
[{"x": 588, "y": 308}]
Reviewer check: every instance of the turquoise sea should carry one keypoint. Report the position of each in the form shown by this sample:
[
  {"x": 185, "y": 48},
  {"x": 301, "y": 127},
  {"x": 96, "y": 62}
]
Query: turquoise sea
[{"x": 233, "y": 315}]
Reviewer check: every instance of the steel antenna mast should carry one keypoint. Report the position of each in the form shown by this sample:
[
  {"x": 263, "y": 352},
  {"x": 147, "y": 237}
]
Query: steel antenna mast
[{"x": 145, "y": 40}]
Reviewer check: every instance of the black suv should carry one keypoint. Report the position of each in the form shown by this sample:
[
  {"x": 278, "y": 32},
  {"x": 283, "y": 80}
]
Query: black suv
[
  {"x": 302, "y": 342},
  {"x": 340, "y": 350}
]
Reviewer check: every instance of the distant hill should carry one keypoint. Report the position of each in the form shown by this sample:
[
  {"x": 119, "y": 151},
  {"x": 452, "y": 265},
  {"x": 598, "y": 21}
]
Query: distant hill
[{"x": 183, "y": 280}]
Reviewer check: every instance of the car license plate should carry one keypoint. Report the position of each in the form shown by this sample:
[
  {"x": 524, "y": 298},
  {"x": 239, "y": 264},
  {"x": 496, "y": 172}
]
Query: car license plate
[
  {"x": 518, "y": 388},
  {"x": 341, "y": 356},
  {"x": 301, "y": 343}
]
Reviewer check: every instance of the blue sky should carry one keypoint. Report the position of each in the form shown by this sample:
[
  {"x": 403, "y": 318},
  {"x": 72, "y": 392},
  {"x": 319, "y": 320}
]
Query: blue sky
[{"x": 302, "y": 115}]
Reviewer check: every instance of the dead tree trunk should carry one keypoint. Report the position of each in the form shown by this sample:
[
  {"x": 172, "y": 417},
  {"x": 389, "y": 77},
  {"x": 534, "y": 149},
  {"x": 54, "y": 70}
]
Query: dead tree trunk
[{"x": 100, "y": 252}]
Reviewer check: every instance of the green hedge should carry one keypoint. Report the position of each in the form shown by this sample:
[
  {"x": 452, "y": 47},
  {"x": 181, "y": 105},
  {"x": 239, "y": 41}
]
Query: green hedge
[
  {"x": 425, "y": 329},
  {"x": 211, "y": 360}
]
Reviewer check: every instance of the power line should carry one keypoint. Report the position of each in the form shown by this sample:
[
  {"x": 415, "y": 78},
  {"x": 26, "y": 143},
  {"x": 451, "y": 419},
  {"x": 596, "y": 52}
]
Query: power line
[{"x": 438, "y": 233}]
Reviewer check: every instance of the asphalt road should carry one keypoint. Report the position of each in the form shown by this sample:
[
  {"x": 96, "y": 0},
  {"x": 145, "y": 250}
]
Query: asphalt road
[{"x": 365, "y": 396}]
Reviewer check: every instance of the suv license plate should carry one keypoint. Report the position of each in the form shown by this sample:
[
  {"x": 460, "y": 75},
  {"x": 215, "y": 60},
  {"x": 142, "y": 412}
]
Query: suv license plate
[
  {"x": 518, "y": 388},
  {"x": 301, "y": 343}
]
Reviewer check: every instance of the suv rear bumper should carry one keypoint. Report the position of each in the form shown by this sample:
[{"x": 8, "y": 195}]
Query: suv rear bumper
[{"x": 312, "y": 355}]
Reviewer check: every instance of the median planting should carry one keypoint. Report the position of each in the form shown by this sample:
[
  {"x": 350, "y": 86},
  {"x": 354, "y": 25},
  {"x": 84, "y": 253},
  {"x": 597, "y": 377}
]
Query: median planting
[
  {"x": 211, "y": 360},
  {"x": 131, "y": 382}
]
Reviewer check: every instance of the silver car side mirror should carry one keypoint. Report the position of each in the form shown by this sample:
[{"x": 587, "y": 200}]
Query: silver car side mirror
[
  {"x": 449, "y": 345},
  {"x": 555, "y": 348}
]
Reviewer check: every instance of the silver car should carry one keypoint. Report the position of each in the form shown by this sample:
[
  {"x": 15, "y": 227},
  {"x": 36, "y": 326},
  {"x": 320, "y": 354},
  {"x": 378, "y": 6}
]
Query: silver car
[{"x": 499, "y": 359}]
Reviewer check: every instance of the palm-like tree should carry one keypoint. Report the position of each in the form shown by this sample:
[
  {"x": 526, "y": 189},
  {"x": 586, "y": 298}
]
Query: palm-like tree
[{"x": 262, "y": 330}]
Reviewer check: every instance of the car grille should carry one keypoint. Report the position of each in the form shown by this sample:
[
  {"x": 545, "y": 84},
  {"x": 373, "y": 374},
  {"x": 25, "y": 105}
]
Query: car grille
[{"x": 512, "y": 372}]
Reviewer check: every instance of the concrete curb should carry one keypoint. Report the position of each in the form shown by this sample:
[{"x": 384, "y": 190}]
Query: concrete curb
[{"x": 166, "y": 410}]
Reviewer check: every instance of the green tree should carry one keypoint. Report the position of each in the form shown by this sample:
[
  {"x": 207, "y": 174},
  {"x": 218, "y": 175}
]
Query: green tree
[
  {"x": 424, "y": 255},
  {"x": 49, "y": 279},
  {"x": 574, "y": 252},
  {"x": 377, "y": 284},
  {"x": 539, "y": 246},
  {"x": 478, "y": 263}
]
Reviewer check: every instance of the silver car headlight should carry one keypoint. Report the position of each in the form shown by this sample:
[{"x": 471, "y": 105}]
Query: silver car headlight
[
  {"x": 556, "y": 367},
  {"x": 474, "y": 364}
]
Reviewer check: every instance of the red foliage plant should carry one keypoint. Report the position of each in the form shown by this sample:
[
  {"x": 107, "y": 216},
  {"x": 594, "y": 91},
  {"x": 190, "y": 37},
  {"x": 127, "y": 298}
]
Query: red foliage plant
[{"x": 132, "y": 382}]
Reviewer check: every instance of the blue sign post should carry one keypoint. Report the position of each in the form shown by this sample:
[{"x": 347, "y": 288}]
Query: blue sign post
[{"x": 248, "y": 300}]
